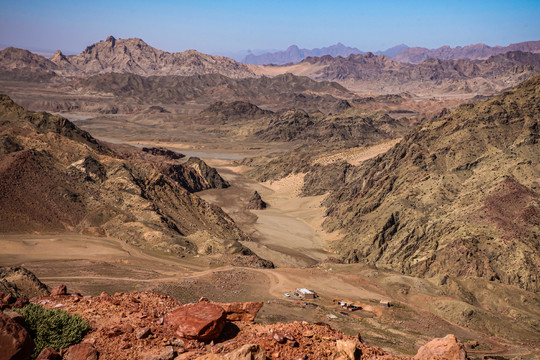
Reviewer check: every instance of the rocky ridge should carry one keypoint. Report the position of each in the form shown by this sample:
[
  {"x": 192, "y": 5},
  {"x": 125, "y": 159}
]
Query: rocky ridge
[
  {"x": 283, "y": 90},
  {"x": 457, "y": 196},
  {"x": 136, "y": 57},
  {"x": 86, "y": 187}
]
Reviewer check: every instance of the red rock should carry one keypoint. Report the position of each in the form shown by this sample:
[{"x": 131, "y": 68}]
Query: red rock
[
  {"x": 252, "y": 352},
  {"x": 15, "y": 316},
  {"x": 167, "y": 354},
  {"x": 21, "y": 302},
  {"x": 142, "y": 333},
  {"x": 82, "y": 351},
  {"x": 15, "y": 342},
  {"x": 280, "y": 339},
  {"x": 59, "y": 290},
  {"x": 48, "y": 354},
  {"x": 9, "y": 299},
  {"x": 448, "y": 348},
  {"x": 241, "y": 311},
  {"x": 201, "y": 321}
]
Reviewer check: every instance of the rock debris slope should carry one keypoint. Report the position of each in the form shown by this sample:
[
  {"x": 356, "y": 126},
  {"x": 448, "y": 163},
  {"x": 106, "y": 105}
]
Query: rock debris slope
[{"x": 457, "y": 196}]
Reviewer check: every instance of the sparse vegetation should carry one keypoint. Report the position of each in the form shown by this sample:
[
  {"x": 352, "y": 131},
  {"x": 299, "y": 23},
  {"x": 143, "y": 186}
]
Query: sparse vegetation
[{"x": 53, "y": 328}]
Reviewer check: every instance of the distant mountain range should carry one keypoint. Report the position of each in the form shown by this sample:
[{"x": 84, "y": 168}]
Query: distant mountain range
[
  {"x": 416, "y": 55},
  {"x": 401, "y": 53},
  {"x": 358, "y": 72},
  {"x": 293, "y": 54}
]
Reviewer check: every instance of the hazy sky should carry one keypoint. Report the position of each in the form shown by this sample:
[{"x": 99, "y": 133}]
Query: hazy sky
[{"x": 227, "y": 26}]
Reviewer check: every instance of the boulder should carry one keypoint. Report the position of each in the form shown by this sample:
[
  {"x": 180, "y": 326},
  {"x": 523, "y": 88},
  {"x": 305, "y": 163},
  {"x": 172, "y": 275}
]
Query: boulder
[
  {"x": 82, "y": 351},
  {"x": 446, "y": 348},
  {"x": 246, "y": 352},
  {"x": 348, "y": 349},
  {"x": 202, "y": 321},
  {"x": 256, "y": 202},
  {"x": 241, "y": 311},
  {"x": 48, "y": 354},
  {"x": 15, "y": 342},
  {"x": 167, "y": 354},
  {"x": 59, "y": 290},
  {"x": 143, "y": 333}
]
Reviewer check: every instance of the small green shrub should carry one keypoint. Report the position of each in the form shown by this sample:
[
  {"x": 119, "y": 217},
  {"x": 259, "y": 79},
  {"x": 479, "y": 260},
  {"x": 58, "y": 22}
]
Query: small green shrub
[{"x": 53, "y": 328}]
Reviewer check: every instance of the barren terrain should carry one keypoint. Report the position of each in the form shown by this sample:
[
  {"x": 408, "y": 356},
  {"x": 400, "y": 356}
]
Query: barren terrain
[
  {"x": 85, "y": 205},
  {"x": 289, "y": 234}
]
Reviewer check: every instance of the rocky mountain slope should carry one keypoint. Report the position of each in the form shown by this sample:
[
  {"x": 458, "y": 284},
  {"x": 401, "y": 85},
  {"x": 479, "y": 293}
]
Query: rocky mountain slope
[
  {"x": 124, "y": 56},
  {"x": 458, "y": 196},
  {"x": 416, "y": 55},
  {"x": 380, "y": 74},
  {"x": 56, "y": 177},
  {"x": 293, "y": 54}
]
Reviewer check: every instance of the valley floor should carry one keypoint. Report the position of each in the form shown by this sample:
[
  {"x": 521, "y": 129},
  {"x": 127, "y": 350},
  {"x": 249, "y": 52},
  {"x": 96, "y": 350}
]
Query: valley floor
[{"x": 289, "y": 234}]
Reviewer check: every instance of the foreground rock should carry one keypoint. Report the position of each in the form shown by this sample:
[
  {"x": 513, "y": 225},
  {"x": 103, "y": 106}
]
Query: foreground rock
[
  {"x": 82, "y": 351},
  {"x": 448, "y": 348},
  {"x": 116, "y": 321},
  {"x": 15, "y": 342},
  {"x": 256, "y": 202},
  {"x": 246, "y": 352},
  {"x": 202, "y": 321},
  {"x": 241, "y": 311},
  {"x": 48, "y": 354}
]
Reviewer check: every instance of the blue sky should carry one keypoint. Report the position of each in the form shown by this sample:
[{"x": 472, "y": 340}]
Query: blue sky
[{"x": 230, "y": 26}]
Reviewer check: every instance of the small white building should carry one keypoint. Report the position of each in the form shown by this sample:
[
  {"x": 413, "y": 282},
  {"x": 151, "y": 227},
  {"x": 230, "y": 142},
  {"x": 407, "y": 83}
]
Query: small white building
[{"x": 307, "y": 294}]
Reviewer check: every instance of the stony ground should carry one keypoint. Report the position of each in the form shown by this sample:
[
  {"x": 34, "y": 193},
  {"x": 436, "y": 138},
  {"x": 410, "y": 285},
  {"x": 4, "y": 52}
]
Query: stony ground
[{"x": 131, "y": 326}]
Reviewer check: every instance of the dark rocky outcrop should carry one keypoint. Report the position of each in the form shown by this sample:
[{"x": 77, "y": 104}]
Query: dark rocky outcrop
[
  {"x": 209, "y": 175},
  {"x": 256, "y": 202},
  {"x": 222, "y": 112},
  {"x": 159, "y": 151},
  {"x": 349, "y": 127}
]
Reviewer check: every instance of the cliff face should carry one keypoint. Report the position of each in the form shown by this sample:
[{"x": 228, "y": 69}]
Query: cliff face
[
  {"x": 458, "y": 196},
  {"x": 57, "y": 177}
]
